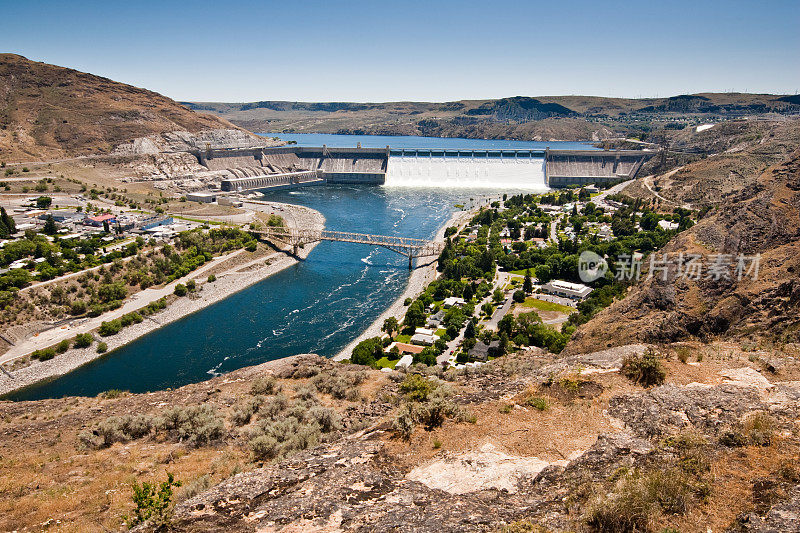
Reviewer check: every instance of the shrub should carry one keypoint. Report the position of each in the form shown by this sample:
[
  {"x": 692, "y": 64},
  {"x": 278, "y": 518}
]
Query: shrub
[
  {"x": 645, "y": 369},
  {"x": 152, "y": 505},
  {"x": 416, "y": 387},
  {"x": 180, "y": 290},
  {"x": 279, "y": 438},
  {"x": 83, "y": 340},
  {"x": 537, "y": 402},
  {"x": 266, "y": 385},
  {"x": 63, "y": 346},
  {"x": 339, "y": 384},
  {"x": 243, "y": 412},
  {"x": 112, "y": 327},
  {"x": 519, "y": 296},
  {"x": 212, "y": 278},
  {"x": 683, "y": 354},
  {"x": 195, "y": 424},
  {"x": 44, "y": 355},
  {"x": 637, "y": 500},
  {"x": 117, "y": 429},
  {"x": 78, "y": 307},
  {"x": 757, "y": 429}
]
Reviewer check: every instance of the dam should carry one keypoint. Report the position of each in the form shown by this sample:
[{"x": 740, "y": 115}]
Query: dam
[{"x": 250, "y": 169}]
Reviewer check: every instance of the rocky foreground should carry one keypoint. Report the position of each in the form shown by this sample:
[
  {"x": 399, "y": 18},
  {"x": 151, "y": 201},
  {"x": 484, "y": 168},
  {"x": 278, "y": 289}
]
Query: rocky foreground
[{"x": 530, "y": 442}]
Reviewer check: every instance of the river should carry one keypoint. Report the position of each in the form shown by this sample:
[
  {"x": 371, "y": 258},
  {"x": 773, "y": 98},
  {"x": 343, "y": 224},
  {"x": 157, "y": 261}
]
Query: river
[{"x": 317, "y": 305}]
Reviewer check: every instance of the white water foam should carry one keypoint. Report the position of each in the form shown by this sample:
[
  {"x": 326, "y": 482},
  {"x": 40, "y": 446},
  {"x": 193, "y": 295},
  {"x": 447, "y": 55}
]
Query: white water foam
[{"x": 466, "y": 172}]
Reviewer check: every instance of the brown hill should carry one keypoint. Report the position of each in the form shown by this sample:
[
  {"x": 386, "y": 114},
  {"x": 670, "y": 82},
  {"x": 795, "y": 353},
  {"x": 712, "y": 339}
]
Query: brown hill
[
  {"x": 759, "y": 216},
  {"x": 579, "y": 118},
  {"x": 49, "y": 112}
]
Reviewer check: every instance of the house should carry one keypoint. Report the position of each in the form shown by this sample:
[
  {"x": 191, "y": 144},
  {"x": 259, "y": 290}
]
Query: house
[
  {"x": 97, "y": 221},
  {"x": 591, "y": 189},
  {"x": 566, "y": 289},
  {"x": 453, "y": 300},
  {"x": 434, "y": 321},
  {"x": 666, "y": 225},
  {"x": 425, "y": 340},
  {"x": 405, "y": 361},
  {"x": 407, "y": 348},
  {"x": 482, "y": 351}
]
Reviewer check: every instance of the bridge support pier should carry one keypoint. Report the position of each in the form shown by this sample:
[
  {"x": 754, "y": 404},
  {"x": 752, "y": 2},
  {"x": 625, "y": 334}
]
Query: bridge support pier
[{"x": 410, "y": 262}]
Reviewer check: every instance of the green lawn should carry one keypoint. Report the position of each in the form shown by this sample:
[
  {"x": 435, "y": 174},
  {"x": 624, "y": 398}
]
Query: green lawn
[
  {"x": 441, "y": 331},
  {"x": 384, "y": 362},
  {"x": 547, "y": 306},
  {"x": 403, "y": 338}
]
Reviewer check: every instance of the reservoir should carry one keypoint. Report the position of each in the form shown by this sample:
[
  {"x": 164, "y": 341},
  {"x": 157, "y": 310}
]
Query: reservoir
[{"x": 318, "y": 305}]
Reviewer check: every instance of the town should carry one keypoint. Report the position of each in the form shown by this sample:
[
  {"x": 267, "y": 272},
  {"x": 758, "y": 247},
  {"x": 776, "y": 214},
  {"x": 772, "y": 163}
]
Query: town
[{"x": 509, "y": 279}]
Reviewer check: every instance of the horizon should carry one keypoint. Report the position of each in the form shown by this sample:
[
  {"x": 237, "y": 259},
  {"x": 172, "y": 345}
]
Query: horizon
[{"x": 418, "y": 52}]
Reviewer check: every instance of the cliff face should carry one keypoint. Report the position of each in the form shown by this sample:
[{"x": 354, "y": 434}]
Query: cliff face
[{"x": 49, "y": 112}]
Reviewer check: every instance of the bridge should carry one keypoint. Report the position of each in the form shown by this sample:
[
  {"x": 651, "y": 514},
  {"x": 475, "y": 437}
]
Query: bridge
[{"x": 405, "y": 246}]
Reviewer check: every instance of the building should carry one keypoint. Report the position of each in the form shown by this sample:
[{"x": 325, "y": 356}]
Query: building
[
  {"x": 435, "y": 320},
  {"x": 202, "y": 197},
  {"x": 405, "y": 361},
  {"x": 666, "y": 225},
  {"x": 566, "y": 289},
  {"x": 424, "y": 340},
  {"x": 453, "y": 300},
  {"x": 482, "y": 351},
  {"x": 97, "y": 221}
]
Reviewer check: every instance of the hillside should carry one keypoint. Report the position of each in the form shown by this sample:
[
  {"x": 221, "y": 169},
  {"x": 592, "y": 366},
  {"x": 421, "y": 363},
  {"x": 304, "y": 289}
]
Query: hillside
[
  {"x": 755, "y": 188},
  {"x": 48, "y": 112},
  {"x": 584, "y": 118}
]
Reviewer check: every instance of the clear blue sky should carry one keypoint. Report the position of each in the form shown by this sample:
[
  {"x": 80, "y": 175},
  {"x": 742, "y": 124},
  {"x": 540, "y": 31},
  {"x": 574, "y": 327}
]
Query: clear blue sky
[{"x": 415, "y": 50}]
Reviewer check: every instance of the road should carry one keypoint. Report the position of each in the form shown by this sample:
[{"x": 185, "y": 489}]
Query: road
[{"x": 83, "y": 325}]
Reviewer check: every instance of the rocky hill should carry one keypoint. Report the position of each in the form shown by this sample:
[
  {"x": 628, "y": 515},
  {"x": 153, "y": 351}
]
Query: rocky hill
[
  {"x": 529, "y": 443},
  {"x": 578, "y": 118},
  {"x": 49, "y": 112}
]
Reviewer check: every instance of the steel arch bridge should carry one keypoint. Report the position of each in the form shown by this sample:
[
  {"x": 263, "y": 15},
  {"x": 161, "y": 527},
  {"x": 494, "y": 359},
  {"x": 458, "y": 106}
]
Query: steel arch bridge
[{"x": 406, "y": 246}]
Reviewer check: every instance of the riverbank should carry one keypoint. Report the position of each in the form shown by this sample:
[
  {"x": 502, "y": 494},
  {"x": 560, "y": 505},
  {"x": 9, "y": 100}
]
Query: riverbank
[
  {"x": 419, "y": 280},
  {"x": 230, "y": 279}
]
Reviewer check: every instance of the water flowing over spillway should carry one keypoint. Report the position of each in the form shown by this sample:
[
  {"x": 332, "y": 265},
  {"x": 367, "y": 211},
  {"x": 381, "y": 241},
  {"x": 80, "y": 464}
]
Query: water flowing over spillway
[{"x": 467, "y": 172}]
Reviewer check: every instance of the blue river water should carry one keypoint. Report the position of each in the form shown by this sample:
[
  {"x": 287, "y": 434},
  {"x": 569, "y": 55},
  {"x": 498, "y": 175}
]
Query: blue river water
[{"x": 318, "y": 305}]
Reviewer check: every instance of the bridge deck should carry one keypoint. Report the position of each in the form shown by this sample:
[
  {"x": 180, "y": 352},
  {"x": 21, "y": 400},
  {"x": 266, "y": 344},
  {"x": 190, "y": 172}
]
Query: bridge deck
[{"x": 407, "y": 246}]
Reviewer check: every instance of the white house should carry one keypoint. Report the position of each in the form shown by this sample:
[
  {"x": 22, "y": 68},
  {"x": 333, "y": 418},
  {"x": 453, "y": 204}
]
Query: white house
[{"x": 453, "y": 300}]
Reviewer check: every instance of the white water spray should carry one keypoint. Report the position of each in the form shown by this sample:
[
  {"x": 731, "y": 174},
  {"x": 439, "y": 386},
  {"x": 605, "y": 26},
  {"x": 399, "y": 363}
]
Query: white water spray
[{"x": 466, "y": 172}]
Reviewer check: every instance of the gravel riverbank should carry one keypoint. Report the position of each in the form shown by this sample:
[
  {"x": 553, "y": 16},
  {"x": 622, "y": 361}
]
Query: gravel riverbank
[
  {"x": 228, "y": 282},
  {"x": 420, "y": 278}
]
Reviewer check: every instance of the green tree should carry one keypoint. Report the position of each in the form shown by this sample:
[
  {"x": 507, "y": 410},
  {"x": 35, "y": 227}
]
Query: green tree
[
  {"x": 50, "y": 227},
  {"x": 415, "y": 315},
  {"x": 527, "y": 283},
  {"x": 390, "y": 325},
  {"x": 43, "y": 202},
  {"x": 367, "y": 352}
]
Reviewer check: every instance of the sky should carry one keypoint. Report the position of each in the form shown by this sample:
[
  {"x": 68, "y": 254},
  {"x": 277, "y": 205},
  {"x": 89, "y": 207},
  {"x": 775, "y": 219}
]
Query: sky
[{"x": 374, "y": 51}]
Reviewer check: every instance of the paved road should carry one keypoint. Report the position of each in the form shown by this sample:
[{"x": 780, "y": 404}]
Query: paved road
[{"x": 137, "y": 301}]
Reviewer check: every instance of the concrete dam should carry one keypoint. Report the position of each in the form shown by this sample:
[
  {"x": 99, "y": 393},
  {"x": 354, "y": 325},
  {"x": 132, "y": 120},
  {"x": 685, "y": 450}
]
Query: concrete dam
[{"x": 248, "y": 169}]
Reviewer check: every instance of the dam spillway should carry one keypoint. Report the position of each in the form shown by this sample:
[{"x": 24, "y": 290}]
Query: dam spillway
[
  {"x": 466, "y": 172},
  {"x": 534, "y": 169}
]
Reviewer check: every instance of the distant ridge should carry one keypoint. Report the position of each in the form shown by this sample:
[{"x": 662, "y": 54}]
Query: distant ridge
[
  {"x": 540, "y": 118},
  {"x": 49, "y": 112}
]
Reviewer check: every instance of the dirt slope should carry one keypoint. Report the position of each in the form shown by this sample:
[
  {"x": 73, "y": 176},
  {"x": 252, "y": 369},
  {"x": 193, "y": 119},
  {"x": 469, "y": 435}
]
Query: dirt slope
[{"x": 47, "y": 112}]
